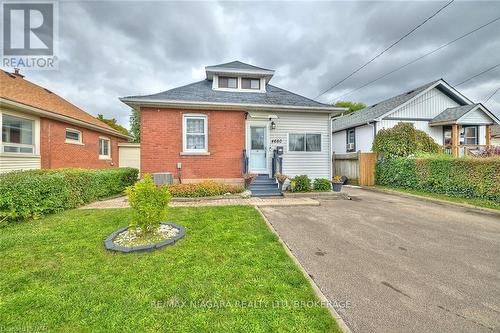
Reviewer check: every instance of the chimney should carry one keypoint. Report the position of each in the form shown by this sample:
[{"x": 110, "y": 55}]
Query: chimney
[{"x": 17, "y": 73}]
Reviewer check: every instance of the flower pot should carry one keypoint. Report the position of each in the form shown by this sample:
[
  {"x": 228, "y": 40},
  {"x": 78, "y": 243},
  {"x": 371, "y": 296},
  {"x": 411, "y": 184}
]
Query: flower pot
[{"x": 337, "y": 187}]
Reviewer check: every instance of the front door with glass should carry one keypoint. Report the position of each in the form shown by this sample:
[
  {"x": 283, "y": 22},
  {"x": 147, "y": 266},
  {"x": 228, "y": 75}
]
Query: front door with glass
[{"x": 258, "y": 149}]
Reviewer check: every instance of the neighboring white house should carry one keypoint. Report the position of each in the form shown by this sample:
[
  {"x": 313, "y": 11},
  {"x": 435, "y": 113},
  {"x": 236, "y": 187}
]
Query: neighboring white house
[{"x": 436, "y": 108}]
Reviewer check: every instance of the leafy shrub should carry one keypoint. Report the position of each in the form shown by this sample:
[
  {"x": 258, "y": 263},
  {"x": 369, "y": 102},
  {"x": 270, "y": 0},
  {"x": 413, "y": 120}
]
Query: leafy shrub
[
  {"x": 34, "y": 193},
  {"x": 460, "y": 177},
  {"x": 489, "y": 152},
  {"x": 149, "y": 203},
  {"x": 280, "y": 177},
  {"x": 322, "y": 184},
  {"x": 403, "y": 140},
  {"x": 300, "y": 184},
  {"x": 205, "y": 188}
]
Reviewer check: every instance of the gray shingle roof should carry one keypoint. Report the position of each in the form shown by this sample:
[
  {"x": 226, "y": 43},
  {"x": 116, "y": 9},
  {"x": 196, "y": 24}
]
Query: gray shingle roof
[
  {"x": 370, "y": 113},
  {"x": 202, "y": 92},
  {"x": 239, "y": 65},
  {"x": 453, "y": 114}
]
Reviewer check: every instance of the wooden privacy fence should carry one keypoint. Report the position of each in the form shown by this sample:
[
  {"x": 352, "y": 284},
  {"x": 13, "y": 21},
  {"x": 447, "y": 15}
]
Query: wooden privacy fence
[{"x": 358, "y": 167}]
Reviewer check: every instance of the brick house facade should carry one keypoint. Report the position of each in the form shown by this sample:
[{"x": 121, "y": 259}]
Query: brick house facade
[
  {"x": 40, "y": 129},
  {"x": 161, "y": 144},
  {"x": 232, "y": 123}
]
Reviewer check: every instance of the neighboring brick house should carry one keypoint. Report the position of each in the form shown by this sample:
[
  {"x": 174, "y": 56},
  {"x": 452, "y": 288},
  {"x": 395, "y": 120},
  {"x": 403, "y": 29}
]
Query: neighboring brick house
[
  {"x": 231, "y": 123},
  {"x": 40, "y": 129}
]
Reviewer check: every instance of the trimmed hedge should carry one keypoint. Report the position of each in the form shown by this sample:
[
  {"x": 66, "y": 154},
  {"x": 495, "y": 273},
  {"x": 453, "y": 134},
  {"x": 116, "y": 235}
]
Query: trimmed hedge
[
  {"x": 461, "y": 177},
  {"x": 34, "y": 193},
  {"x": 206, "y": 188}
]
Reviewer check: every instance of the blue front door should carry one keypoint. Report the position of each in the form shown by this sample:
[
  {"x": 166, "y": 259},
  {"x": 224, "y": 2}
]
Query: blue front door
[{"x": 258, "y": 149}]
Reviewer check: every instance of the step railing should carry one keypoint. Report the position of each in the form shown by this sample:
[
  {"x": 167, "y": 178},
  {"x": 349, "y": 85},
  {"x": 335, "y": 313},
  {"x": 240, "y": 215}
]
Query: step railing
[
  {"x": 244, "y": 162},
  {"x": 277, "y": 163}
]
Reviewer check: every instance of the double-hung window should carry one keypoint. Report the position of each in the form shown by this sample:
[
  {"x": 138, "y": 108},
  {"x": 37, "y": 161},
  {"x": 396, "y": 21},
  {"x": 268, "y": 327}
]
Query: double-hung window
[
  {"x": 248, "y": 83},
  {"x": 308, "y": 142},
  {"x": 228, "y": 82},
  {"x": 469, "y": 135},
  {"x": 17, "y": 135},
  {"x": 195, "y": 136},
  {"x": 351, "y": 140},
  {"x": 104, "y": 148}
]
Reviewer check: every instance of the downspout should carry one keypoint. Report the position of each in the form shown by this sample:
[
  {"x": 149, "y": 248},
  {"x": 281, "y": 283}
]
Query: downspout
[{"x": 374, "y": 126}]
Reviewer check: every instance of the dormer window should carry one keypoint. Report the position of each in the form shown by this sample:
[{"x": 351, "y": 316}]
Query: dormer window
[
  {"x": 247, "y": 83},
  {"x": 228, "y": 82}
]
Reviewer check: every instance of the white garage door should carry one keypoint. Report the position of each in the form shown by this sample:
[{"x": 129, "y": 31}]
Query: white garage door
[{"x": 129, "y": 155}]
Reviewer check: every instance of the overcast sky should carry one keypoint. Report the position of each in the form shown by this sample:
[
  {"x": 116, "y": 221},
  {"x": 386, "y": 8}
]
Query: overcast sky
[{"x": 111, "y": 49}]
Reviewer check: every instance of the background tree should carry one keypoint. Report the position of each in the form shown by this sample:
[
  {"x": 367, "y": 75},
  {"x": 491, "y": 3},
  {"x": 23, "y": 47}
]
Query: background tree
[
  {"x": 352, "y": 106},
  {"x": 135, "y": 126},
  {"x": 113, "y": 123},
  {"x": 403, "y": 140}
]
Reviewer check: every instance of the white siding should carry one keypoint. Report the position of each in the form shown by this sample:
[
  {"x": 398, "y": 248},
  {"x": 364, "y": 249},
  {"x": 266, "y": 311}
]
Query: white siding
[
  {"x": 313, "y": 164},
  {"x": 129, "y": 155},
  {"x": 364, "y": 138},
  {"x": 338, "y": 142},
  {"x": 475, "y": 117},
  {"x": 436, "y": 132},
  {"x": 426, "y": 106},
  {"x": 495, "y": 141},
  {"x": 14, "y": 163}
]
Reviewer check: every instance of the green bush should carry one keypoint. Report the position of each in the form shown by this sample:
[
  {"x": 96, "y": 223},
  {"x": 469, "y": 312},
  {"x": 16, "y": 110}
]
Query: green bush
[
  {"x": 300, "y": 184},
  {"x": 403, "y": 140},
  {"x": 149, "y": 203},
  {"x": 34, "y": 193},
  {"x": 461, "y": 177},
  {"x": 207, "y": 188},
  {"x": 322, "y": 184}
]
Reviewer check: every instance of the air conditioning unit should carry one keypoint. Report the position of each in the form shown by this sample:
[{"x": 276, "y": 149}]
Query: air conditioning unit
[
  {"x": 163, "y": 178},
  {"x": 349, "y": 146}
]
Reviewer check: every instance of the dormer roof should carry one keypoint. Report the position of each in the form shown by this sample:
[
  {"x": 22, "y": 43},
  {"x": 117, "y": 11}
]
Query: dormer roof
[{"x": 239, "y": 68}]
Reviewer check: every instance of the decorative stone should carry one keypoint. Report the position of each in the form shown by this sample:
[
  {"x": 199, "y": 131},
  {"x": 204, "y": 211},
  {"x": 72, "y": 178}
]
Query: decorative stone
[
  {"x": 167, "y": 227},
  {"x": 246, "y": 194}
]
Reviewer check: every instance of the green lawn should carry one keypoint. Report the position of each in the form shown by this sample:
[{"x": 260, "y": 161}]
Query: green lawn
[
  {"x": 56, "y": 276},
  {"x": 474, "y": 202}
]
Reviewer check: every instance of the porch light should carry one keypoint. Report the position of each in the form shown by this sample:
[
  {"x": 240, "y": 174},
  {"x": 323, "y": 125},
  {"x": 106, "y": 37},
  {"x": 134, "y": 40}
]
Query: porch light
[{"x": 273, "y": 125}]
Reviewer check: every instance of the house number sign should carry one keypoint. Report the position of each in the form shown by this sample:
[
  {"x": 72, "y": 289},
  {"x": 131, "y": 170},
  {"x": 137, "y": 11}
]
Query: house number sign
[{"x": 276, "y": 140}]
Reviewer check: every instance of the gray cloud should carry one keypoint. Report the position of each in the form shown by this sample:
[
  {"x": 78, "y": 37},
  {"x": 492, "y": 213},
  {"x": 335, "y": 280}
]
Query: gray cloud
[{"x": 111, "y": 49}]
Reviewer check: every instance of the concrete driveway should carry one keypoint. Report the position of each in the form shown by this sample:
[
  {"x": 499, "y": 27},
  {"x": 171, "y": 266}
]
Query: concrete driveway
[{"x": 398, "y": 264}]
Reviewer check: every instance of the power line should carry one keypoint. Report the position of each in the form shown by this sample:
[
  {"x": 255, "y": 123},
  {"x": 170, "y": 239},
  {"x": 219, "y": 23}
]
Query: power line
[
  {"x": 466, "y": 80},
  {"x": 487, "y": 99},
  {"x": 417, "y": 59},
  {"x": 386, "y": 49},
  {"x": 485, "y": 71}
]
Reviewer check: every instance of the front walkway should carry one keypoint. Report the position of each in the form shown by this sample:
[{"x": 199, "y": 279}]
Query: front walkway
[{"x": 122, "y": 202}]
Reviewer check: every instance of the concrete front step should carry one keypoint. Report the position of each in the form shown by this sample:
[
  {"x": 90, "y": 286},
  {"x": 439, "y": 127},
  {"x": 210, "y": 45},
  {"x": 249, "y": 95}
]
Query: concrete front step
[{"x": 266, "y": 193}]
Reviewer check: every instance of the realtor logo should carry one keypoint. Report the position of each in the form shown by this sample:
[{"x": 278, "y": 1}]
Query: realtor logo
[{"x": 29, "y": 34}]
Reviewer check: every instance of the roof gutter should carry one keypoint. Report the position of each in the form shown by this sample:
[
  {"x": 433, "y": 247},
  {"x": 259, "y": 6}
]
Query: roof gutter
[
  {"x": 229, "y": 106},
  {"x": 52, "y": 115}
]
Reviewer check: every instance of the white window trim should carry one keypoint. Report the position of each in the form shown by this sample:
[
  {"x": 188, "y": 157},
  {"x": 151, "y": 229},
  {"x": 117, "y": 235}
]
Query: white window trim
[
  {"x": 215, "y": 84},
  {"x": 36, "y": 135},
  {"x": 104, "y": 157},
  {"x": 304, "y": 151},
  {"x": 185, "y": 150},
  {"x": 74, "y": 142}
]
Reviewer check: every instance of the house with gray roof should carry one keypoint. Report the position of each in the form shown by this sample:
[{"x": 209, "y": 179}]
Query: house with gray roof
[
  {"x": 450, "y": 118},
  {"x": 233, "y": 123}
]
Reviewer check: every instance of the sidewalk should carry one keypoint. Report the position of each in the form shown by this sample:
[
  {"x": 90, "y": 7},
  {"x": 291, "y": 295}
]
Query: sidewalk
[{"x": 121, "y": 202}]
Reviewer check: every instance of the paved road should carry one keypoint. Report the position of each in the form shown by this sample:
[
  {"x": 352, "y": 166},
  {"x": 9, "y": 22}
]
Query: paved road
[{"x": 403, "y": 264}]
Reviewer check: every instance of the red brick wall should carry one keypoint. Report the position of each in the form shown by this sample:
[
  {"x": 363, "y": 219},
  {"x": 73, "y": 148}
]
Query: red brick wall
[
  {"x": 161, "y": 144},
  {"x": 56, "y": 153}
]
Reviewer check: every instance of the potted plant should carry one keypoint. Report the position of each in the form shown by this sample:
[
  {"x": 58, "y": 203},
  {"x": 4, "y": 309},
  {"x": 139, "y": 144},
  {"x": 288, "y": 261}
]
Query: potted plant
[
  {"x": 249, "y": 177},
  {"x": 281, "y": 178},
  {"x": 337, "y": 183}
]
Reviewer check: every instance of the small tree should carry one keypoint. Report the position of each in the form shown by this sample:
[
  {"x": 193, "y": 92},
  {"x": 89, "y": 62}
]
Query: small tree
[
  {"x": 135, "y": 126},
  {"x": 112, "y": 122},
  {"x": 403, "y": 140},
  {"x": 149, "y": 204},
  {"x": 352, "y": 106}
]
